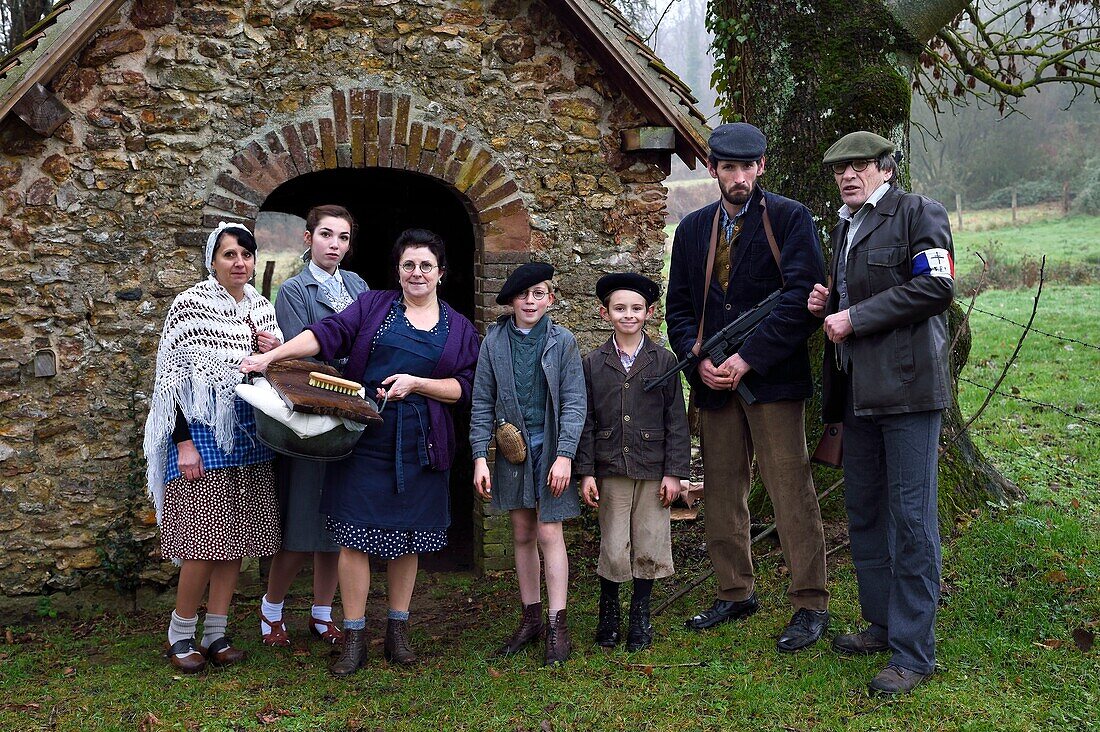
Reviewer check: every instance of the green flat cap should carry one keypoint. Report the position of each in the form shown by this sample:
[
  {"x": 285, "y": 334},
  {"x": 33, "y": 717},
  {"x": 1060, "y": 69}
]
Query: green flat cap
[{"x": 860, "y": 145}]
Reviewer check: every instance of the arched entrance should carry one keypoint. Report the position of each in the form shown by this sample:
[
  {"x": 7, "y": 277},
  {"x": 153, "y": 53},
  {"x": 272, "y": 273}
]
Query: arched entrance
[{"x": 386, "y": 202}]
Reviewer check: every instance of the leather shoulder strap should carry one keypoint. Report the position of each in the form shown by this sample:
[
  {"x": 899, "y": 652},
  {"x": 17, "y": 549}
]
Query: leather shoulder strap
[
  {"x": 710, "y": 272},
  {"x": 771, "y": 236}
]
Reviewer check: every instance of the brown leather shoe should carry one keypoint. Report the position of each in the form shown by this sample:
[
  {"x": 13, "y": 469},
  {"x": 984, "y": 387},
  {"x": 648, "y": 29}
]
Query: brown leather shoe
[
  {"x": 863, "y": 643},
  {"x": 353, "y": 654},
  {"x": 397, "y": 648},
  {"x": 558, "y": 643},
  {"x": 530, "y": 630},
  {"x": 331, "y": 634},
  {"x": 185, "y": 656},
  {"x": 896, "y": 680},
  {"x": 222, "y": 652},
  {"x": 278, "y": 636}
]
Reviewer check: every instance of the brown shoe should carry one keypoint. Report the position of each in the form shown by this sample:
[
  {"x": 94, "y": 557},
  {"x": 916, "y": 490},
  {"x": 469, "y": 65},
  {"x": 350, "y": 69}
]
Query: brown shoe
[
  {"x": 331, "y": 633},
  {"x": 185, "y": 656},
  {"x": 863, "y": 643},
  {"x": 353, "y": 654},
  {"x": 397, "y": 649},
  {"x": 896, "y": 680},
  {"x": 558, "y": 643},
  {"x": 277, "y": 636},
  {"x": 222, "y": 652},
  {"x": 530, "y": 630}
]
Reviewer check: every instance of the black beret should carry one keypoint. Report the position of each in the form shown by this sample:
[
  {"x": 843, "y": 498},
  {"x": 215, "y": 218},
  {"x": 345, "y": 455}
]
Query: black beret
[
  {"x": 633, "y": 281},
  {"x": 524, "y": 278},
  {"x": 737, "y": 141},
  {"x": 860, "y": 145}
]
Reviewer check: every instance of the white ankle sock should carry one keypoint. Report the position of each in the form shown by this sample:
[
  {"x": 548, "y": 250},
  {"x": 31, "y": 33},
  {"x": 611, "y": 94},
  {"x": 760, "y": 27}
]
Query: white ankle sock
[
  {"x": 213, "y": 628},
  {"x": 271, "y": 611},
  {"x": 321, "y": 612},
  {"x": 181, "y": 628}
]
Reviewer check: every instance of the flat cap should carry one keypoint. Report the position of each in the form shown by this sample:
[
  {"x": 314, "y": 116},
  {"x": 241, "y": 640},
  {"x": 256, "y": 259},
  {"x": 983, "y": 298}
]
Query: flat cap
[
  {"x": 633, "y": 281},
  {"x": 523, "y": 278},
  {"x": 737, "y": 141},
  {"x": 860, "y": 145}
]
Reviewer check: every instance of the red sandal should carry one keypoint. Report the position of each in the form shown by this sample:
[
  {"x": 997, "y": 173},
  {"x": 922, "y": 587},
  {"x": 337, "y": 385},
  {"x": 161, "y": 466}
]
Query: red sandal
[
  {"x": 331, "y": 634},
  {"x": 278, "y": 636}
]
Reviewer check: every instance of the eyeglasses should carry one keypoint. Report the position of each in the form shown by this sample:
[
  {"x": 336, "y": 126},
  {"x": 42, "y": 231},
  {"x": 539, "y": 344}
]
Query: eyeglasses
[
  {"x": 539, "y": 294},
  {"x": 410, "y": 266},
  {"x": 857, "y": 165}
]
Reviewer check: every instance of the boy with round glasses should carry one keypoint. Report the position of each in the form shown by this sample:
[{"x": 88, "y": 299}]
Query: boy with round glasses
[{"x": 529, "y": 375}]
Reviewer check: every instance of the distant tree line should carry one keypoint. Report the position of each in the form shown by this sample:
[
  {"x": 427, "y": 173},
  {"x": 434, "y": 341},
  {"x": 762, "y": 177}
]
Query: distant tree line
[{"x": 17, "y": 17}]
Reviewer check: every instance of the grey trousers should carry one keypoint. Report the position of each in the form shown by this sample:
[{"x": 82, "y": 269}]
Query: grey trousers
[{"x": 890, "y": 466}]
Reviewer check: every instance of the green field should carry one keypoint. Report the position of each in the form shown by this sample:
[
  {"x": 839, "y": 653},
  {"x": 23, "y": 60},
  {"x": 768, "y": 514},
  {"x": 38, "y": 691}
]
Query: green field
[{"x": 1021, "y": 607}]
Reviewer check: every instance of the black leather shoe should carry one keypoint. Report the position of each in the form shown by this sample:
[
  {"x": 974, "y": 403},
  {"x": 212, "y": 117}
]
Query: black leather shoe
[
  {"x": 723, "y": 611},
  {"x": 805, "y": 629},
  {"x": 863, "y": 643},
  {"x": 608, "y": 629},
  {"x": 895, "y": 680}
]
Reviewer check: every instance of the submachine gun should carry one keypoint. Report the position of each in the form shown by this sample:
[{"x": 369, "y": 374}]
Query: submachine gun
[{"x": 724, "y": 344}]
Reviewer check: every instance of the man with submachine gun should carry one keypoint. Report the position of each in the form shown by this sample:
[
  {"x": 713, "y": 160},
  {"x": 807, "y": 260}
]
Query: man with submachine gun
[
  {"x": 722, "y": 345},
  {"x": 741, "y": 271}
]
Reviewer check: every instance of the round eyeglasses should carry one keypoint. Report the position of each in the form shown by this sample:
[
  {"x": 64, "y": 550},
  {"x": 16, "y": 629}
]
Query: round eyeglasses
[
  {"x": 857, "y": 165},
  {"x": 538, "y": 294},
  {"x": 424, "y": 267}
]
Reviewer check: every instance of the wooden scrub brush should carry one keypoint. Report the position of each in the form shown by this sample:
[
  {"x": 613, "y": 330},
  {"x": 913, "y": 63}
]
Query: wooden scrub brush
[{"x": 333, "y": 383}]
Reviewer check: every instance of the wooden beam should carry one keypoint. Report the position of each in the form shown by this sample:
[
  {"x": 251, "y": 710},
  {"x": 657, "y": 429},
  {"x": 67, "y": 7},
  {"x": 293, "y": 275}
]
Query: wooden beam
[{"x": 41, "y": 110}]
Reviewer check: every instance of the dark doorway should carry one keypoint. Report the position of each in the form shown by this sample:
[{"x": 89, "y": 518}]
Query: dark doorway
[{"x": 384, "y": 203}]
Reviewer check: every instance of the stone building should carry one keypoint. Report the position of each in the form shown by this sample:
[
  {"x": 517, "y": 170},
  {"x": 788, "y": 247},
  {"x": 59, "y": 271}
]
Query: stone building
[{"x": 518, "y": 129}]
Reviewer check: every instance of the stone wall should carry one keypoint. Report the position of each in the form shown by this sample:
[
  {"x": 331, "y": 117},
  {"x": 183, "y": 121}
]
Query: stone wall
[{"x": 103, "y": 223}]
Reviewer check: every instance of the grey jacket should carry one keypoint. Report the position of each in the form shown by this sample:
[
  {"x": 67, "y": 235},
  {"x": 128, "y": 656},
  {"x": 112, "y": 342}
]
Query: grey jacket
[
  {"x": 494, "y": 396},
  {"x": 300, "y": 301},
  {"x": 899, "y": 344},
  {"x": 631, "y": 432}
]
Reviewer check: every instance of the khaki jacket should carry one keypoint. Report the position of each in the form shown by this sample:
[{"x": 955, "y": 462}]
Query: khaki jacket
[{"x": 630, "y": 432}]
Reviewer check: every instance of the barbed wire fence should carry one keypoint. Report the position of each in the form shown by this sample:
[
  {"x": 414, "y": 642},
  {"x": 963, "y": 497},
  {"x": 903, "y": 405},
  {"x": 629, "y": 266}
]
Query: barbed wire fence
[{"x": 1031, "y": 456}]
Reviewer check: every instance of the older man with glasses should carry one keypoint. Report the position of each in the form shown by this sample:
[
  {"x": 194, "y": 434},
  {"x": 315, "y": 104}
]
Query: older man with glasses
[{"x": 886, "y": 378}]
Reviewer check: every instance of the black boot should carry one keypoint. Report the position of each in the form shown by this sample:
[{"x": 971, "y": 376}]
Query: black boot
[
  {"x": 640, "y": 634},
  {"x": 609, "y": 628},
  {"x": 397, "y": 648},
  {"x": 530, "y": 629},
  {"x": 352, "y": 655}
]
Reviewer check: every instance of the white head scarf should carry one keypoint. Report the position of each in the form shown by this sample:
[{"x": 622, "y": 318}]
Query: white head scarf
[{"x": 212, "y": 241}]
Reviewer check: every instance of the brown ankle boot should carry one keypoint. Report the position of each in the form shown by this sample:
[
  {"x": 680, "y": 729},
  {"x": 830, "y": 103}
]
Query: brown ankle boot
[
  {"x": 558, "y": 643},
  {"x": 353, "y": 654},
  {"x": 530, "y": 629},
  {"x": 397, "y": 648}
]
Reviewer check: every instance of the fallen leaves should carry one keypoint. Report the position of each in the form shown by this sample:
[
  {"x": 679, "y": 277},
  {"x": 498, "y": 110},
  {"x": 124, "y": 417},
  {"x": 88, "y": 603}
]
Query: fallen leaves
[
  {"x": 1084, "y": 639},
  {"x": 148, "y": 722},
  {"x": 270, "y": 715}
]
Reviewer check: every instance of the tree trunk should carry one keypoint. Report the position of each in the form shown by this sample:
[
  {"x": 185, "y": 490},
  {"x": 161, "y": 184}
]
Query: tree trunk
[{"x": 808, "y": 73}]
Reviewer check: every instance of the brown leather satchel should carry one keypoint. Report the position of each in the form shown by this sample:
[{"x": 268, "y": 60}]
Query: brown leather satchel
[{"x": 830, "y": 449}]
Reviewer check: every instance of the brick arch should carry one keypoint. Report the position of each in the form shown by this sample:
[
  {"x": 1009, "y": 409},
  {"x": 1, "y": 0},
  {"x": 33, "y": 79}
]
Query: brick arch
[{"x": 370, "y": 128}]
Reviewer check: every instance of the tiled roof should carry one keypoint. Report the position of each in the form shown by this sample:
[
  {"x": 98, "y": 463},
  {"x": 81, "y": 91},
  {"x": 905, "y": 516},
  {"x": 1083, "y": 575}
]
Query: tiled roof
[
  {"x": 601, "y": 28},
  {"x": 49, "y": 45}
]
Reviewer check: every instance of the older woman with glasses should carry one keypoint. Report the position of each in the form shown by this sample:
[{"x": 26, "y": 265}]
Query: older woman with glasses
[{"x": 390, "y": 498}]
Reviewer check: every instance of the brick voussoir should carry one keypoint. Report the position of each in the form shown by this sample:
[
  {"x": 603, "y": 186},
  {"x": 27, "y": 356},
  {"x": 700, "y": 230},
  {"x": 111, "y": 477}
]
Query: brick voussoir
[{"x": 340, "y": 115}]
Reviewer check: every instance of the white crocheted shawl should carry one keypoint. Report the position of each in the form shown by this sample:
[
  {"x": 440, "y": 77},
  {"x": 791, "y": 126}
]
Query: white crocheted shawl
[{"x": 206, "y": 335}]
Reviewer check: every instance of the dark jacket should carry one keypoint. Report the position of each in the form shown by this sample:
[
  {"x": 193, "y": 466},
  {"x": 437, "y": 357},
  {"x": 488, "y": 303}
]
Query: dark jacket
[
  {"x": 348, "y": 334},
  {"x": 899, "y": 347},
  {"x": 630, "y": 432},
  {"x": 777, "y": 349}
]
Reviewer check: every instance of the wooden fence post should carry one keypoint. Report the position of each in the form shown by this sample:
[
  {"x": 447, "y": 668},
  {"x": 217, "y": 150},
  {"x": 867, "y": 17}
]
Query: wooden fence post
[
  {"x": 1013, "y": 206},
  {"x": 959, "y": 209},
  {"x": 269, "y": 273}
]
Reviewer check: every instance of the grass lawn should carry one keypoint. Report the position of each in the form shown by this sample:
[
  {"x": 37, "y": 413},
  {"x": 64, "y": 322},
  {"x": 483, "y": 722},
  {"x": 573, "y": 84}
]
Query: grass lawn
[
  {"x": 1021, "y": 606},
  {"x": 1070, "y": 241}
]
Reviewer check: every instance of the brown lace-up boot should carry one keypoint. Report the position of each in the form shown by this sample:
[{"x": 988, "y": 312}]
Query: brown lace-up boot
[
  {"x": 558, "y": 643},
  {"x": 530, "y": 629},
  {"x": 353, "y": 655},
  {"x": 397, "y": 648}
]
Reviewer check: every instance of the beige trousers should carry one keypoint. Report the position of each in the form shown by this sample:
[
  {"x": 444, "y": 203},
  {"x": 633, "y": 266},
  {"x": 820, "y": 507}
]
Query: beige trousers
[
  {"x": 776, "y": 434},
  {"x": 635, "y": 536}
]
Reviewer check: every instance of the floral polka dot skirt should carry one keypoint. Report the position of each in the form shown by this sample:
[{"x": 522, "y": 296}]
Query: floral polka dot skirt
[
  {"x": 386, "y": 543},
  {"x": 230, "y": 513}
]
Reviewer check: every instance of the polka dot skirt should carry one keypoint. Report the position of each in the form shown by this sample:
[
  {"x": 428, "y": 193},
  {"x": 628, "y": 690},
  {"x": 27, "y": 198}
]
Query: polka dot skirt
[
  {"x": 386, "y": 543},
  {"x": 228, "y": 514}
]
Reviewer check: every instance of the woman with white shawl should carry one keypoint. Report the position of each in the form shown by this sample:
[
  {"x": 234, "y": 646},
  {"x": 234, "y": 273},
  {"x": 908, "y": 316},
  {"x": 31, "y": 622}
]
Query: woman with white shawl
[{"x": 210, "y": 478}]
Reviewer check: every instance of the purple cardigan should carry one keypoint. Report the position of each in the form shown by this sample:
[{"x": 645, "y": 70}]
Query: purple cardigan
[{"x": 348, "y": 334}]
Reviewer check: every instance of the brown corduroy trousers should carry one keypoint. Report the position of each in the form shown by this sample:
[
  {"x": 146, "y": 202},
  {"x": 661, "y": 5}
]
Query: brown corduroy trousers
[{"x": 776, "y": 434}]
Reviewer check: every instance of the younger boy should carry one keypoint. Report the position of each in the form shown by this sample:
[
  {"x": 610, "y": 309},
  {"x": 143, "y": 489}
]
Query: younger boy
[
  {"x": 634, "y": 450},
  {"x": 529, "y": 374}
]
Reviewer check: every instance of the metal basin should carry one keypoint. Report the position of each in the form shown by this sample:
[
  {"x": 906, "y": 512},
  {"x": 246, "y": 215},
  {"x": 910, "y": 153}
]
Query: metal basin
[{"x": 335, "y": 444}]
